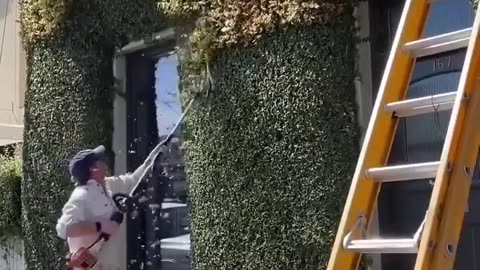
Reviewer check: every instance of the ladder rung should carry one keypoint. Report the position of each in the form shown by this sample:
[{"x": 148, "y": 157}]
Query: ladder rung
[
  {"x": 383, "y": 246},
  {"x": 404, "y": 172},
  {"x": 438, "y": 44},
  {"x": 410, "y": 107}
]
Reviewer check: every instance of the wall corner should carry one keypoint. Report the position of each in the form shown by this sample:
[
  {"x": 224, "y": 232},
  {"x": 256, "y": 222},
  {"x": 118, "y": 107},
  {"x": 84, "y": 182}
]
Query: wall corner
[{"x": 364, "y": 97}]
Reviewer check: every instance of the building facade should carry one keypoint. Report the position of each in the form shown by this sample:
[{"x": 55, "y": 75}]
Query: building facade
[
  {"x": 147, "y": 105},
  {"x": 402, "y": 206}
]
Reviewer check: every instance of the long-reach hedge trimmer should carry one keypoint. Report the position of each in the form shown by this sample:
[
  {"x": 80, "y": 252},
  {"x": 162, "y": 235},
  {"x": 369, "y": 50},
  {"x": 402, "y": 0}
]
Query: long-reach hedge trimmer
[{"x": 124, "y": 201}]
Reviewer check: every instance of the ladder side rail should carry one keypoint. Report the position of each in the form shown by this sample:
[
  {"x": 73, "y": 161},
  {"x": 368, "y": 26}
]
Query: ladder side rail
[
  {"x": 451, "y": 189},
  {"x": 380, "y": 132}
]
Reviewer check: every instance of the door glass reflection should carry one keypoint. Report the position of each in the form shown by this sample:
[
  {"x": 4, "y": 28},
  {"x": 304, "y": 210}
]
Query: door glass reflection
[{"x": 175, "y": 221}]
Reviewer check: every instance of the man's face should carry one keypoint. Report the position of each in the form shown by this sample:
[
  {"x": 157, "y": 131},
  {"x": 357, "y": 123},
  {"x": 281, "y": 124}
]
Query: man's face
[{"x": 99, "y": 170}]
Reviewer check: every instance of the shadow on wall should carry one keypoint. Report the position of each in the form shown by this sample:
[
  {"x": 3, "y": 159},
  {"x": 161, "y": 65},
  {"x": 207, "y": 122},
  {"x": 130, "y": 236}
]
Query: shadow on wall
[{"x": 6, "y": 8}]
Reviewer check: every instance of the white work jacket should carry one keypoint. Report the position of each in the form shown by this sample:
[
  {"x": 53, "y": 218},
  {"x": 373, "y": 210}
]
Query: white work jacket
[{"x": 91, "y": 203}]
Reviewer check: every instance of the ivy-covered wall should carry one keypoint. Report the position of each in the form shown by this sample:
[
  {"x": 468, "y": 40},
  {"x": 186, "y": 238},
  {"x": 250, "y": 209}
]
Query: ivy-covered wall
[
  {"x": 70, "y": 47},
  {"x": 270, "y": 157},
  {"x": 65, "y": 110},
  {"x": 271, "y": 150}
]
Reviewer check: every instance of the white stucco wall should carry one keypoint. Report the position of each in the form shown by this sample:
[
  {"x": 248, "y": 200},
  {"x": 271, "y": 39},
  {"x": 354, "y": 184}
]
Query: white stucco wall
[
  {"x": 12, "y": 74},
  {"x": 11, "y": 255}
]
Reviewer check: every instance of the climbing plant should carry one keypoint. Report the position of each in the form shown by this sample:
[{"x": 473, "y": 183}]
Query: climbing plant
[
  {"x": 70, "y": 47},
  {"x": 10, "y": 204},
  {"x": 270, "y": 157},
  {"x": 271, "y": 151}
]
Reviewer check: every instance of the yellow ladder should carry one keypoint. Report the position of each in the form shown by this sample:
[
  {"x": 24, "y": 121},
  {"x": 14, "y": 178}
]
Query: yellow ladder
[{"x": 435, "y": 241}]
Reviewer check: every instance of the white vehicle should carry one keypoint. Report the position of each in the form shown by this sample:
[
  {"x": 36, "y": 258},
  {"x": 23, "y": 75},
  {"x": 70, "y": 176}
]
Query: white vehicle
[{"x": 176, "y": 247}]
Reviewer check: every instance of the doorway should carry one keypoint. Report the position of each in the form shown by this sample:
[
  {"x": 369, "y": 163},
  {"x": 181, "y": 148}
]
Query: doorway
[{"x": 158, "y": 234}]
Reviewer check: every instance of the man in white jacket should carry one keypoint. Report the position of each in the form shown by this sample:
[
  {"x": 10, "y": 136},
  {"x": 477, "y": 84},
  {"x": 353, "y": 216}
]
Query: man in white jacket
[{"x": 87, "y": 213}]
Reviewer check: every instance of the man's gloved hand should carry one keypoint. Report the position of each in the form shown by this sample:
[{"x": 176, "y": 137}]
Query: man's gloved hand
[
  {"x": 109, "y": 227},
  {"x": 117, "y": 217}
]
